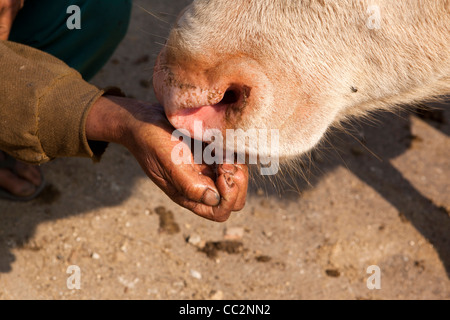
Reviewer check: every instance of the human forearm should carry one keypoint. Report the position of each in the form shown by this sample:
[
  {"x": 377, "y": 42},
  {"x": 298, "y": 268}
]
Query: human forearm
[{"x": 108, "y": 120}]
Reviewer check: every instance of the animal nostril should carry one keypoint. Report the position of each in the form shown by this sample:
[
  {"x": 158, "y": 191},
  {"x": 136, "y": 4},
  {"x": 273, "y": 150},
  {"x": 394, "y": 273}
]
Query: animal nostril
[{"x": 231, "y": 96}]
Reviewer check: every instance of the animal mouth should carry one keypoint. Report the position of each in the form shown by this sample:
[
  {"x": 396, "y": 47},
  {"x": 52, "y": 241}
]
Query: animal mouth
[
  {"x": 217, "y": 116},
  {"x": 229, "y": 99}
]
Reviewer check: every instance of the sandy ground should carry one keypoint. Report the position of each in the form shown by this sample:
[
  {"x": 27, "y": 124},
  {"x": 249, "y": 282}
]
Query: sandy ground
[{"x": 379, "y": 198}]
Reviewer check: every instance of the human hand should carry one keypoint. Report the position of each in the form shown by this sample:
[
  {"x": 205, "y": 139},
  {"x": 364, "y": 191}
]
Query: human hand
[
  {"x": 8, "y": 12},
  {"x": 212, "y": 193}
]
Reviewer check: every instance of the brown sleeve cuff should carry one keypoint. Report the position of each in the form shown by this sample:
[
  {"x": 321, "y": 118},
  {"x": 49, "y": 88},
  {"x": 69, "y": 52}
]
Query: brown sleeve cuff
[
  {"x": 62, "y": 114},
  {"x": 44, "y": 105}
]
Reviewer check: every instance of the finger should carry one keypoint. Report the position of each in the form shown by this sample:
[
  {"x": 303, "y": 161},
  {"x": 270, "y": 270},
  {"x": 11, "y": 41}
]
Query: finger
[
  {"x": 220, "y": 213},
  {"x": 229, "y": 191},
  {"x": 188, "y": 185},
  {"x": 196, "y": 184},
  {"x": 198, "y": 208},
  {"x": 198, "y": 193},
  {"x": 240, "y": 178}
]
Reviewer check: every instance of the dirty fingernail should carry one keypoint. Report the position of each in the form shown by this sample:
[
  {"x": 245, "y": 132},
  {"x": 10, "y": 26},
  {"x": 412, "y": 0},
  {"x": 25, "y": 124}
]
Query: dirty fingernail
[
  {"x": 229, "y": 168},
  {"x": 211, "y": 198},
  {"x": 229, "y": 180}
]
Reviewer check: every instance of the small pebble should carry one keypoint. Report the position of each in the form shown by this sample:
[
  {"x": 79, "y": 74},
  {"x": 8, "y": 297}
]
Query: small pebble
[
  {"x": 95, "y": 256},
  {"x": 196, "y": 241},
  {"x": 234, "y": 234},
  {"x": 216, "y": 295},
  {"x": 268, "y": 234},
  {"x": 195, "y": 274}
]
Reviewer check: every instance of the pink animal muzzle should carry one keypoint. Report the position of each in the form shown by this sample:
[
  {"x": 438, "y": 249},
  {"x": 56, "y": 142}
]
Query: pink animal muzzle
[{"x": 218, "y": 98}]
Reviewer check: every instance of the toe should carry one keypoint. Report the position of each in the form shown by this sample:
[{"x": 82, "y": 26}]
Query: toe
[
  {"x": 15, "y": 185},
  {"x": 29, "y": 173}
]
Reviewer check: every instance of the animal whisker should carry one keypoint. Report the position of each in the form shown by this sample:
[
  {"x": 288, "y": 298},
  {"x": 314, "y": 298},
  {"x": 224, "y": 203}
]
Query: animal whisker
[{"x": 152, "y": 14}]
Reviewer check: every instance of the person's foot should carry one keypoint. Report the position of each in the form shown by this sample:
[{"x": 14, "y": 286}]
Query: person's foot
[{"x": 19, "y": 179}]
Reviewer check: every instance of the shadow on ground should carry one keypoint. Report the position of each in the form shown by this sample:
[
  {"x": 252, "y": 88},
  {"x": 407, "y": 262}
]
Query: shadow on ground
[
  {"x": 367, "y": 150},
  {"x": 79, "y": 187}
]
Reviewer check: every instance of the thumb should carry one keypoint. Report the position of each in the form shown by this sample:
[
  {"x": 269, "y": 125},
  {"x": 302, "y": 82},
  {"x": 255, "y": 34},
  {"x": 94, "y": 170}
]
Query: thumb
[{"x": 196, "y": 183}]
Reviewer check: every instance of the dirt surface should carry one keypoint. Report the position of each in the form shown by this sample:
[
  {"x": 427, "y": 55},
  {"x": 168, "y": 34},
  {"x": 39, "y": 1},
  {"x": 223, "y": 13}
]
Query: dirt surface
[{"x": 378, "y": 195}]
